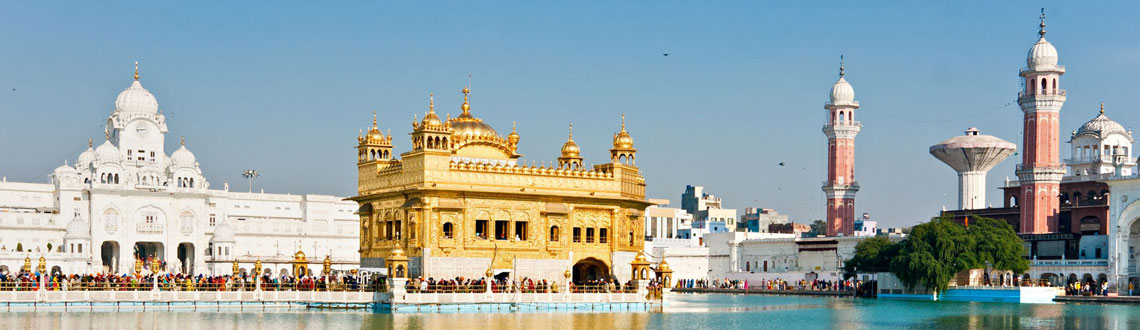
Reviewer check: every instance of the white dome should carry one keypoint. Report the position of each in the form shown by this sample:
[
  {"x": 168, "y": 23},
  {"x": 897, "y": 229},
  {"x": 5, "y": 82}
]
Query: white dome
[
  {"x": 1101, "y": 127},
  {"x": 136, "y": 99},
  {"x": 64, "y": 169},
  {"x": 107, "y": 152},
  {"x": 223, "y": 233},
  {"x": 842, "y": 92},
  {"x": 86, "y": 158},
  {"x": 183, "y": 157},
  {"x": 78, "y": 228},
  {"x": 1042, "y": 55}
]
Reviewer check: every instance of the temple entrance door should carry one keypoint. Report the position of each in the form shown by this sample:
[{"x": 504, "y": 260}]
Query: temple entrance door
[
  {"x": 590, "y": 269},
  {"x": 109, "y": 254},
  {"x": 146, "y": 251},
  {"x": 186, "y": 257}
]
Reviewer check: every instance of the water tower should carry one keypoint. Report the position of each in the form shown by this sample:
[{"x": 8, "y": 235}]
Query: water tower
[{"x": 972, "y": 155}]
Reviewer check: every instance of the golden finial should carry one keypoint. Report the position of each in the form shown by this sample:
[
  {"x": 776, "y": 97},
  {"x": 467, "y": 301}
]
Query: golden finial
[
  {"x": 107, "y": 133},
  {"x": 431, "y": 102},
  {"x": 90, "y": 143},
  {"x": 466, "y": 103},
  {"x": 136, "y": 70},
  {"x": 360, "y": 136},
  {"x": 1102, "y": 108},
  {"x": 623, "y": 122},
  {"x": 841, "y": 66},
  {"x": 571, "y": 133},
  {"x": 1042, "y": 32},
  {"x": 183, "y": 141},
  {"x": 374, "y": 120}
]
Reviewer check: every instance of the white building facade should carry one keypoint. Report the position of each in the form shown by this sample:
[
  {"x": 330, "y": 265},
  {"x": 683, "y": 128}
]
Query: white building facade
[{"x": 128, "y": 200}]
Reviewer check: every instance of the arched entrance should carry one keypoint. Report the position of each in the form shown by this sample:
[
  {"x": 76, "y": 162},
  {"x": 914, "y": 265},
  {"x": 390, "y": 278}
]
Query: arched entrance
[
  {"x": 186, "y": 257},
  {"x": 109, "y": 254},
  {"x": 590, "y": 269}
]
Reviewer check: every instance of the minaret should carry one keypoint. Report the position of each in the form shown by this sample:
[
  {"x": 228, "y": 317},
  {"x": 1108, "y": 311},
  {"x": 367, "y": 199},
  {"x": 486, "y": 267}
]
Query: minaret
[
  {"x": 841, "y": 128},
  {"x": 1040, "y": 171}
]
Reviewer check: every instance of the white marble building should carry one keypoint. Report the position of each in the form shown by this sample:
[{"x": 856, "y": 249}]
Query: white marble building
[{"x": 128, "y": 198}]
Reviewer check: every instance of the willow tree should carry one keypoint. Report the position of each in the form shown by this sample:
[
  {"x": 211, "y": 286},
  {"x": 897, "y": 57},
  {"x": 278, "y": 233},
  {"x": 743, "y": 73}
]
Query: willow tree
[
  {"x": 936, "y": 251},
  {"x": 933, "y": 253}
]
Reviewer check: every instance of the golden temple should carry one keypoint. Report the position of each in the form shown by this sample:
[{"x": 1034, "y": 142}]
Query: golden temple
[{"x": 460, "y": 204}]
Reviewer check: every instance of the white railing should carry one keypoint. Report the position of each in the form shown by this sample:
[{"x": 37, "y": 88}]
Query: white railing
[
  {"x": 1070, "y": 263},
  {"x": 149, "y": 228}
]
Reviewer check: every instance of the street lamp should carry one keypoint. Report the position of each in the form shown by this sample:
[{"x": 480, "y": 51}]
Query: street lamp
[{"x": 249, "y": 174}]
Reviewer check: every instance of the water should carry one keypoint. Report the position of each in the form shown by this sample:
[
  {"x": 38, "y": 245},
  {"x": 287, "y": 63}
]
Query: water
[{"x": 684, "y": 311}]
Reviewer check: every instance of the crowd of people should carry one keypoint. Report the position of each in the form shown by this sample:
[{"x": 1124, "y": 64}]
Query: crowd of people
[
  {"x": 1088, "y": 289},
  {"x": 771, "y": 284},
  {"x": 27, "y": 281},
  {"x": 505, "y": 285}
]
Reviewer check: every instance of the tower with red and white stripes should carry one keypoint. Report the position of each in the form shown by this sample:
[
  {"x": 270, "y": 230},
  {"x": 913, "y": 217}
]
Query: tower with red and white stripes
[
  {"x": 1041, "y": 170},
  {"x": 840, "y": 129}
]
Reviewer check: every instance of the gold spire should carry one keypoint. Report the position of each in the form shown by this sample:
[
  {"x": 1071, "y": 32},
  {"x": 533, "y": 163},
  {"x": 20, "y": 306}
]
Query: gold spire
[
  {"x": 571, "y": 137},
  {"x": 1102, "y": 108},
  {"x": 623, "y": 122},
  {"x": 374, "y": 120},
  {"x": 136, "y": 70},
  {"x": 1042, "y": 32},
  {"x": 466, "y": 103},
  {"x": 431, "y": 102},
  {"x": 183, "y": 141},
  {"x": 90, "y": 143}
]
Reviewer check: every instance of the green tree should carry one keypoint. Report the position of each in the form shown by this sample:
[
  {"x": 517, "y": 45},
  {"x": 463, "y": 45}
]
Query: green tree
[
  {"x": 872, "y": 255},
  {"x": 49, "y": 247},
  {"x": 19, "y": 247},
  {"x": 998, "y": 245},
  {"x": 819, "y": 227},
  {"x": 933, "y": 253}
]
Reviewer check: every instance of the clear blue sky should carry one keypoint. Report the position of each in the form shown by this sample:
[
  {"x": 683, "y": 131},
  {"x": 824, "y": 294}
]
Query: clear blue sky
[{"x": 283, "y": 87}]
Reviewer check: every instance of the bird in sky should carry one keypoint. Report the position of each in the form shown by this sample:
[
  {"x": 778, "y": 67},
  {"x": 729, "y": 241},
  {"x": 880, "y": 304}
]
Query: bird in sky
[
  {"x": 781, "y": 163},
  {"x": 665, "y": 54}
]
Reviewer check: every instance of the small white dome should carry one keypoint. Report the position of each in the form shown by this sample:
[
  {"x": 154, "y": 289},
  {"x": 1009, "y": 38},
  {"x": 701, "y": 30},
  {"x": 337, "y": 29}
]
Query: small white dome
[
  {"x": 842, "y": 92},
  {"x": 183, "y": 157},
  {"x": 136, "y": 99},
  {"x": 1042, "y": 55},
  {"x": 64, "y": 169},
  {"x": 107, "y": 152},
  {"x": 223, "y": 233},
  {"x": 77, "y": 228},
  {"x": 86, "y": 158}
]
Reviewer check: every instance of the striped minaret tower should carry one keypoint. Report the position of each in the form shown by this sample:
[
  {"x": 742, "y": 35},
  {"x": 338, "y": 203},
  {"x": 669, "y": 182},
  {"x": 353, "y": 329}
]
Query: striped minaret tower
[
  {"x": 1041, "y": 170},
  {"x": 841, "y": 128}
]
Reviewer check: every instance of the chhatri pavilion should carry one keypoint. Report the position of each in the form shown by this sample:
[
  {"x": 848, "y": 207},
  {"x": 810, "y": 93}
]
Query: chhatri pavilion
[{"x": 460, "y": 204}]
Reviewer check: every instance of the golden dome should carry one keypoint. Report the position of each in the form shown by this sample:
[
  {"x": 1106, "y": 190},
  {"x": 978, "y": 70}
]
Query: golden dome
[
  {"x": 467, "y": 126},
  {"x": 640, "y": 258},
  {"x": 431, "y": 119},
  {"x": 663, "y": 266},
  {"x": 397, "y": 252},
  {"x": 622, "y": 140},
  {"x": 374, "y": 137},
  {"x": 299, "y": 255},
  {"x": 570, "y": 149}
]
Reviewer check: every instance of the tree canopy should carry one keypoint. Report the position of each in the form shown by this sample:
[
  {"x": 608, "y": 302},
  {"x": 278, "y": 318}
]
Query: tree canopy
[{"x": 936, "y": 251}]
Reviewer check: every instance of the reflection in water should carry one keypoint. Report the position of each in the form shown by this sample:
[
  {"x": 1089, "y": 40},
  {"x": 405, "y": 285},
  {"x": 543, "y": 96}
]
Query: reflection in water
[{"x": 687, "y": 312}]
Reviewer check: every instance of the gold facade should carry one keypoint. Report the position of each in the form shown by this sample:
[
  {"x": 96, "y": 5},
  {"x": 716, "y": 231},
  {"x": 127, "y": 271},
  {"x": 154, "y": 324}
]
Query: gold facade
[{"x": 462, "y": 194}]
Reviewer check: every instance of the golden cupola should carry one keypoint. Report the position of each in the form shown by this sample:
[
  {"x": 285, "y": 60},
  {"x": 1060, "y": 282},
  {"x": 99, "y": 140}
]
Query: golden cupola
[
  {"x": 571, "y": 158},
  {"x": 374, "y": 136},
  {"x": 471, "y": 137},
  {"x": 373, "y": 146},
  {"x": 622, "y": 140},
  {"x": 623, "y": 151},
  {"x": 431, "y": 120}
]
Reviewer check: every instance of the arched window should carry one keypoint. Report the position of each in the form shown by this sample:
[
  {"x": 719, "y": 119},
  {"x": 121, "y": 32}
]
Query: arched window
[
  {"x": 116, "y": 179},
  {"x": 448, "y": 230},
  {"x": 553, "y": 233},
  {"x": 1044, "y": 84},
  {"x": 841, "y": 117}
]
